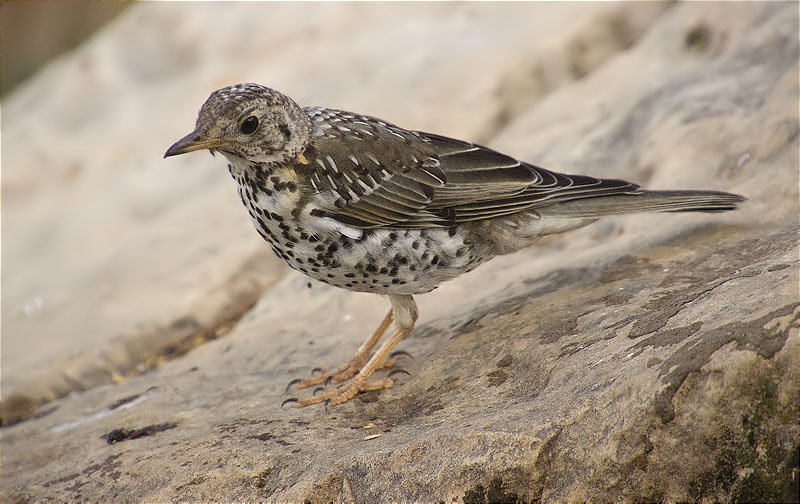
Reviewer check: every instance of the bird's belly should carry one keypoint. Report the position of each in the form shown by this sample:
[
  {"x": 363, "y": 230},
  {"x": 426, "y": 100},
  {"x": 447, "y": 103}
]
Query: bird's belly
[
  {"x": 390, "y": 261},
  {"x": 383, "y": 261}
]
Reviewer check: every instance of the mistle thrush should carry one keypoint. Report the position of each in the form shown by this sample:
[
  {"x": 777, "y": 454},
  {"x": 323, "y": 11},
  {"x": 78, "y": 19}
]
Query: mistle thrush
[{"x": 362, "y": 204}]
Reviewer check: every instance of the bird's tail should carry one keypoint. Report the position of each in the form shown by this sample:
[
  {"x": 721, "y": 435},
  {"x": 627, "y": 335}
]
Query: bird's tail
[{"x": 644, "y": 201}]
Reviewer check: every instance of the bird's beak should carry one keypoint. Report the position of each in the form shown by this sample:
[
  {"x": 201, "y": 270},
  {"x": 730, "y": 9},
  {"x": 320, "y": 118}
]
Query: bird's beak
[{"x": 192, "y": 142}]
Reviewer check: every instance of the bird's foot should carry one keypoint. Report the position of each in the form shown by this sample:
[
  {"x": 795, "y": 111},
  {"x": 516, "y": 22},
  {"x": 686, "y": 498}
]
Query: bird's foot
[
  {"x": 346, "y": 392},
  {"x": 345, "y": 372},
  {"x": 353, "y": 367},
  {"x": 383, "y": 357}
]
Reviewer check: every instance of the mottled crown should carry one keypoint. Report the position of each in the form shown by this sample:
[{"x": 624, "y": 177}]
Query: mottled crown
[{"x": 232, "y": 100}]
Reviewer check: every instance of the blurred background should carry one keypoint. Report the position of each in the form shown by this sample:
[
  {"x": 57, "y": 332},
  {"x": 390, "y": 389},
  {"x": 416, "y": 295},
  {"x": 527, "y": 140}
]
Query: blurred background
[{"x": 31, "y": 33}]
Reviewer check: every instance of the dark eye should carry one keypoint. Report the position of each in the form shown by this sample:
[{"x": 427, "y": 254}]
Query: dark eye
[{"x": 249, "y": 125}]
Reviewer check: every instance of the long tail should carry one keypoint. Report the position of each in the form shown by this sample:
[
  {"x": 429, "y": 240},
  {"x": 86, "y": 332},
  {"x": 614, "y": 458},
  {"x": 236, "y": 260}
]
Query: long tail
[{"x": 644, "y": 201}]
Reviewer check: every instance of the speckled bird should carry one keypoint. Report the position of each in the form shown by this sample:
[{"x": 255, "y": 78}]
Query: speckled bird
[{"x": 362, "y": 204}]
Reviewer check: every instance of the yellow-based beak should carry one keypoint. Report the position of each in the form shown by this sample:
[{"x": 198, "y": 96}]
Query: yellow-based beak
[{"x": 192, "y": 142}]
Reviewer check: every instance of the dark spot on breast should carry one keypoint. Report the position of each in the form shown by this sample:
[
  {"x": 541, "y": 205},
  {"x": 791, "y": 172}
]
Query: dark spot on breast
[{"x": 263, "y": 225}]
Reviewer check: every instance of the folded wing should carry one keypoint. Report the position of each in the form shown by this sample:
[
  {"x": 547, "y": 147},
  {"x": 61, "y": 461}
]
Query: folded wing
[{"x": 384, "y": 176}]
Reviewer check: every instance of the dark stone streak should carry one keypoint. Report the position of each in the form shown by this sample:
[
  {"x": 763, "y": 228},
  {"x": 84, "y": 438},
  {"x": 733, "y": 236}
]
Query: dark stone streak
[{"x": 693, "y": 355}]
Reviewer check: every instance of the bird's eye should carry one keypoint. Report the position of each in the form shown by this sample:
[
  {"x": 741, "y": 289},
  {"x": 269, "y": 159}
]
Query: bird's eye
[{"x": 249, "y": 125}]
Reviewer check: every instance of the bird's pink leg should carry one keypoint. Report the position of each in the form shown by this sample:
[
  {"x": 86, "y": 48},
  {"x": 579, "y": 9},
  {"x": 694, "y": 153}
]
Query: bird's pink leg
[
  {"x": 404, "y": 311},
  {"x": 356, "y": 363},
  {"x": 360, "y": 383}
]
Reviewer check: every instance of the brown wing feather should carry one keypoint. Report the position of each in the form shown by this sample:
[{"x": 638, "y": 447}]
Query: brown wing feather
[{"x": 384, "y": 176}]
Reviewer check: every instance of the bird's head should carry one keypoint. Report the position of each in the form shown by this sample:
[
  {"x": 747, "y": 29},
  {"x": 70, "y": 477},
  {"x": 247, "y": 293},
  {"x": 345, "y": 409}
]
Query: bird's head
[{"x": 248, "y": 122}]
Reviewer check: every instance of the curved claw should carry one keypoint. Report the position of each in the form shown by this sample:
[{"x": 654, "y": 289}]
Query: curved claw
[
  {"x": 290, "y": 400},
  {"x": 318, "y": 390},
  {"x": 328, "y": 381},
  {"x": 317, "y": 370},
  {"x": 396, "y": 371},
  {"x": 293, "y": 382},
  {"x": 400, "y": 352}
]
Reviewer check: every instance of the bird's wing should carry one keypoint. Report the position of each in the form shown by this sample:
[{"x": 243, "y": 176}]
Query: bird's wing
[
  {"x": 384, "y": 176},
  {"x": 483, "y": 183}
]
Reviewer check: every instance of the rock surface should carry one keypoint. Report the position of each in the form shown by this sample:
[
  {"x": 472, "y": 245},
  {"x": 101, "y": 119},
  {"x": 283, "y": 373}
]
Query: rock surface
[{"x": 649, "y": 357}]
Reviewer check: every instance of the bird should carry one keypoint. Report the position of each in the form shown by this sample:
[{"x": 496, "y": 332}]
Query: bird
[{"x": 362, "y": 204}]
